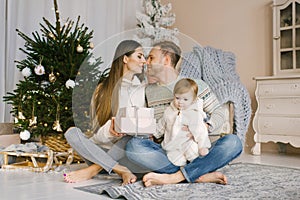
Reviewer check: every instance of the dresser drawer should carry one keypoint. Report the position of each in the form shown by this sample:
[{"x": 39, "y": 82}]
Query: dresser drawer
[
  {"x": 279, "y": 125},
  {"x": 287, "y": 106},
  {"x": 279, "y": 89}
]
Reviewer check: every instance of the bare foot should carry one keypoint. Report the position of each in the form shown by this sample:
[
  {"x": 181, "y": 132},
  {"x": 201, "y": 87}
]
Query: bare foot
[
  {"x": 82, "y": 174},
  {"x": 213, "y": 177},
  {"x": 127, "y": 176},
  {"x": 161, "y": 179}
]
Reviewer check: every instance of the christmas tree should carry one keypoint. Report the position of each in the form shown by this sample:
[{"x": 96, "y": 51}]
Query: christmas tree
[
  {"x": 58, "y": 61},
  {"x": 155, "y": 23}
]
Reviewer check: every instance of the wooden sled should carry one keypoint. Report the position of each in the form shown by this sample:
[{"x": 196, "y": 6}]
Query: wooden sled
[{"x": 31, "y": 163}]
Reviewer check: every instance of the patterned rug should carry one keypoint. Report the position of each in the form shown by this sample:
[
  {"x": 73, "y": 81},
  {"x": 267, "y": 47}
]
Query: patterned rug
[{"x": 245, "y": 181}]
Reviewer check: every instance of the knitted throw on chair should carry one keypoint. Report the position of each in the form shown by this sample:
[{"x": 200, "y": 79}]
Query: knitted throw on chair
[{"x": 217, "y": 69}]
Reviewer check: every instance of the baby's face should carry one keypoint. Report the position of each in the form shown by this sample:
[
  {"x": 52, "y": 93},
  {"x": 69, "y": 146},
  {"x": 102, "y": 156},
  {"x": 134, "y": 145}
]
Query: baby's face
[{"x": 183, "y": 101}]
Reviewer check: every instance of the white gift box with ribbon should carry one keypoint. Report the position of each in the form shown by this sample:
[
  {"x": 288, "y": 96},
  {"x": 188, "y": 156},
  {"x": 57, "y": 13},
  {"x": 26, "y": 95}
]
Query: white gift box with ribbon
[{"x": 135, "y": 121}]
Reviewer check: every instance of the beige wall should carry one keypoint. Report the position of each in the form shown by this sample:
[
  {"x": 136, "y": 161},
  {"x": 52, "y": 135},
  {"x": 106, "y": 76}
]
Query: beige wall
[{"x": 243, "y": 27}]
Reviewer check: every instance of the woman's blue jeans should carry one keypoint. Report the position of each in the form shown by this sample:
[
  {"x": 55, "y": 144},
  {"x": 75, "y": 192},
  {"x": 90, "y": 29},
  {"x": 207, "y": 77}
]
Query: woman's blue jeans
[{"x": 150, "y": 155}]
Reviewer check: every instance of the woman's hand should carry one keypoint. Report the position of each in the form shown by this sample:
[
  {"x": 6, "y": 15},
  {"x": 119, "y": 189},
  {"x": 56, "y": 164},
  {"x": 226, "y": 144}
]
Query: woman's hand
[
  {"x": 151, "y": 137},
  {"x": 112, "y": 129}
]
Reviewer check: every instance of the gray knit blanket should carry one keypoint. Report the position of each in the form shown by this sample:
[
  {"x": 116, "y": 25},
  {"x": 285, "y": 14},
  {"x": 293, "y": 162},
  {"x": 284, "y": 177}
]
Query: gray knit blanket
[{"x": 217, "y": 68}]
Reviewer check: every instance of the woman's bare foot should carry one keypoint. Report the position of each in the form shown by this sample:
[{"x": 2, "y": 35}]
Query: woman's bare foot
[
  {"x": 161, "y": 179},
  {"x": 213, "y": 177},
  {"x": 127, "y": 176},
  {"x": 82, "y": 174}
]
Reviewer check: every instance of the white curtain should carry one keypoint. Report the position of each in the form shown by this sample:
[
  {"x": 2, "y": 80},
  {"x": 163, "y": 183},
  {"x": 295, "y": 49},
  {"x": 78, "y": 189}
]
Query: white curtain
[
  {"x": 105, "y": 17},
  {"x": 2, "y": 55}
]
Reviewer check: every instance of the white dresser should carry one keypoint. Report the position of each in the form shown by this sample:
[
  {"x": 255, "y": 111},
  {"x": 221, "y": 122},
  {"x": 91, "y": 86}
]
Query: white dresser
[{"x": 277, "y": 117}]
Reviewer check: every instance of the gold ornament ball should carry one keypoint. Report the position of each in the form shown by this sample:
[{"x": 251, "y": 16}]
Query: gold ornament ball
[
  {"x": 79, "y": 49},
  {"x": 52, "y": 78},
  {"x": 51, "y": 35}
]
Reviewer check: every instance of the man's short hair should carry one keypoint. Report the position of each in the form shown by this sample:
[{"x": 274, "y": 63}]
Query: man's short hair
[{"x": 171, "y": 49}]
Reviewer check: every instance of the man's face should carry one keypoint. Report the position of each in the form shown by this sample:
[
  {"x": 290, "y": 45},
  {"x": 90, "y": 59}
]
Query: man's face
[{"x": 155, "y": 62}]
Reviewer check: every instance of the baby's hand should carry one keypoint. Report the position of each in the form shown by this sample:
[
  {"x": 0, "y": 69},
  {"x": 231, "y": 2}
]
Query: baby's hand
[{"x": 203, "y": 151}]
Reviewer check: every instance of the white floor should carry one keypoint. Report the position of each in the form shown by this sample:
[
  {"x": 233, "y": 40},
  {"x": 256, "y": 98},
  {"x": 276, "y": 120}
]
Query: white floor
[{"x": 23, "y": 185}]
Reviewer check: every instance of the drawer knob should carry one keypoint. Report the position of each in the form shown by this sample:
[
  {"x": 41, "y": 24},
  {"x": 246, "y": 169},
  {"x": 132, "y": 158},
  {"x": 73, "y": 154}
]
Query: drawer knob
[
  {"x": 267, "y": 125},
  {"x": 295, "y": 86},
  {"x": 269, "y": 91},
  {"x": 270, "y": 106}
]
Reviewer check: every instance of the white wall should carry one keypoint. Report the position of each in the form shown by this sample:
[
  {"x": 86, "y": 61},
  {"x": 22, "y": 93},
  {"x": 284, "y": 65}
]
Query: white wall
[{"x": 105, "y": 17}]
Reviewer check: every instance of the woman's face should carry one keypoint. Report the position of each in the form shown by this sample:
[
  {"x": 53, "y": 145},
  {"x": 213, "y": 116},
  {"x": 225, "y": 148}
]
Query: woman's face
[{"x": 135, "y": 62}]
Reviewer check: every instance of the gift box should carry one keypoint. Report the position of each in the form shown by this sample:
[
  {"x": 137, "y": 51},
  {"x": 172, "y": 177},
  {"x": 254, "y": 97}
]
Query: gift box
[{"x": 135, "y": 121}]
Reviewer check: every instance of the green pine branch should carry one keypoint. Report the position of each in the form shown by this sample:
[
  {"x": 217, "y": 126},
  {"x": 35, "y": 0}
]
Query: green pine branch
[{"x": 44, "y": 95}]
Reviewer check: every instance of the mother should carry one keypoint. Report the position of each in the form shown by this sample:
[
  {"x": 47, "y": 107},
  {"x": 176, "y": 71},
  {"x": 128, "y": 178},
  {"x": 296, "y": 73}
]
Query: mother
[{"x": 105, "y": 148}]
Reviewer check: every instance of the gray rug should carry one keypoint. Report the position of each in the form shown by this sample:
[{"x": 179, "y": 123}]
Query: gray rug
[{"x": 245, "y": 181}]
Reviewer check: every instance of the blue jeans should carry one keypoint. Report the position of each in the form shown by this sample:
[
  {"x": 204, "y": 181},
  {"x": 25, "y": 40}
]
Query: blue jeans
[{"x": 150, "y": 155}]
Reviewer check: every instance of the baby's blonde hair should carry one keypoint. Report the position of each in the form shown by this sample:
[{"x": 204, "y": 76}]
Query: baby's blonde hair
[{"x": 185, "y": 85}]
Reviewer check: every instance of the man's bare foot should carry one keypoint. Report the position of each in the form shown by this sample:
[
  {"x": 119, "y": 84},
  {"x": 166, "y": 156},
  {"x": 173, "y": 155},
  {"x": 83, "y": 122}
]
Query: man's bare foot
[
  {"x": 127, "y": 176},
  {"x": 213, "y": 177},
  {"x": 161, "y": 179},
  {"x": 82, "y": 174}
]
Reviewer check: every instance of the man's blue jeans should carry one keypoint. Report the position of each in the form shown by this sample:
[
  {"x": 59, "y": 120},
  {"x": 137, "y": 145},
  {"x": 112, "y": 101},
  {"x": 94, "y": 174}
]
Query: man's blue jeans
[{"x": 150, "y": 155}]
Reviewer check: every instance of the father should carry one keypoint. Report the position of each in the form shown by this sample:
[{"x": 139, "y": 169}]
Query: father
[{"x": 161, "y": 62}]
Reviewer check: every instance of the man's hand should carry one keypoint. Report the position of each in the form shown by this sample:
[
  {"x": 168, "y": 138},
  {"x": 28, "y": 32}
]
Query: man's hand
[
  {"x": 189, "y": 134},
  {"x": 186, "y": 128},
  {"x": 112, "y": 129}
]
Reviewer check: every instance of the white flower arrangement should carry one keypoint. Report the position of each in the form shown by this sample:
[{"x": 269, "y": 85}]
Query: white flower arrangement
[{"x": 154, "y": 24}]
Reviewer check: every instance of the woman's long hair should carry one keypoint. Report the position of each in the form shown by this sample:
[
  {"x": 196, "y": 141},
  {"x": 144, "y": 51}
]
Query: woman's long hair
[{"x": 101, "y": 106}]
